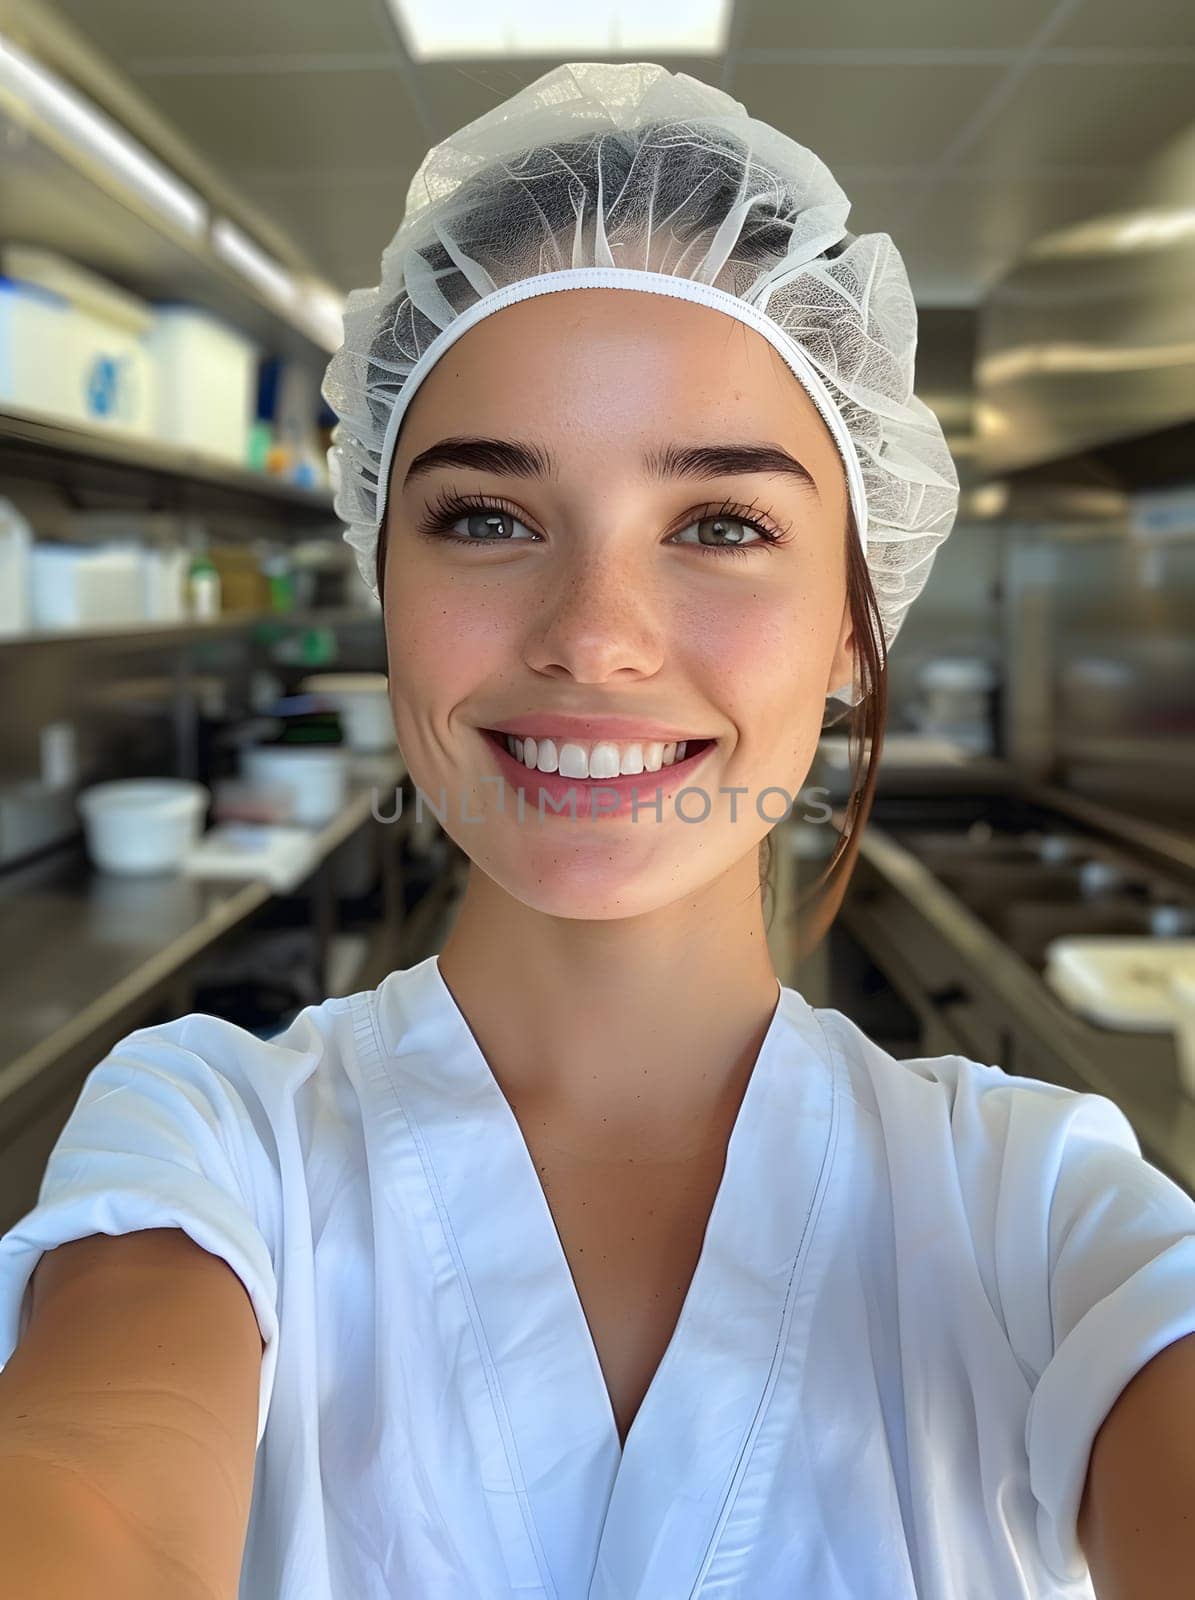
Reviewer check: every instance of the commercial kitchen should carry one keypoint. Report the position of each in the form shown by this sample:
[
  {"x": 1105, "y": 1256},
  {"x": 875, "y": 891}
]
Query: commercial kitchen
[{"x": 178, "y": 611}]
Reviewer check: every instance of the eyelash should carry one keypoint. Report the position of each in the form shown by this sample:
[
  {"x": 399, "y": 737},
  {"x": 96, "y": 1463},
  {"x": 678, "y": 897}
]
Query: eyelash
[{"x": 449, "y": 508}]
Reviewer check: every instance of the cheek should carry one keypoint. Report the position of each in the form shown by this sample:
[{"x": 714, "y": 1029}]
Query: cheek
[
  {"x": 442, "y": 633},
  {"x": 767, "y": 655}
]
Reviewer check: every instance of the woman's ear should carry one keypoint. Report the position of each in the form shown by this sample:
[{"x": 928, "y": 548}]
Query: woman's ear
[{"x": 843, "y": 666}]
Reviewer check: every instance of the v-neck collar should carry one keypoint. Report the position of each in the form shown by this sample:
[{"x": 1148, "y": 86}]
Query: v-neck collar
[{"x": 601, "y": 1521}]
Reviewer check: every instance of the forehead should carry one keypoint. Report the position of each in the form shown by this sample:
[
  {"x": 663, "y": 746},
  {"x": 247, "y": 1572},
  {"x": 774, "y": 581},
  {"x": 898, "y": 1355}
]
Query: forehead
[{"x": 603, "y": 369}]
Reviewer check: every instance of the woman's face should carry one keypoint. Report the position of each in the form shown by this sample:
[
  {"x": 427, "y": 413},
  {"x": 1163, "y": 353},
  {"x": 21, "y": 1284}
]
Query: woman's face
[{"x": 602, "y": 586}]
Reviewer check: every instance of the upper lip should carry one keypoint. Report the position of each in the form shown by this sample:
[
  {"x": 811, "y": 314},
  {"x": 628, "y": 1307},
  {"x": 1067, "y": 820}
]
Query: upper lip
[{"x": 591, "y": 729}]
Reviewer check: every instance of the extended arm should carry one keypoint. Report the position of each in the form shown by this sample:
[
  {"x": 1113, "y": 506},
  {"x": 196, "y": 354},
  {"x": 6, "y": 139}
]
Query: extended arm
[
  {"x": 128, "y": 1421},
  {"x": 1137, "y": 1519}
]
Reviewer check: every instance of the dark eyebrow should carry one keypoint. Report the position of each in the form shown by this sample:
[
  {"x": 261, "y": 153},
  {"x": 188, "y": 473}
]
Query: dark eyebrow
[
  {"x": 725, "y": 461},
  {"x": 485, "y": 455},
  {"x": 674, "y": 461}
]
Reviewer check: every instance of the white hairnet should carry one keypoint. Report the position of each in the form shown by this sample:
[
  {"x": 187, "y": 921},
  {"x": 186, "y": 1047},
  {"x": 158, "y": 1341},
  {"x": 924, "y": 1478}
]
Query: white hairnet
[{"x": 628, "y": 175}]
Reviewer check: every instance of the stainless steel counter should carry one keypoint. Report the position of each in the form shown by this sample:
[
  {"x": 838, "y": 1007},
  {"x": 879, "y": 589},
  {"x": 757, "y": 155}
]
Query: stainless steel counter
[
  {"x": 86, "y": 951},
  {"x": 975, "y": 994}
]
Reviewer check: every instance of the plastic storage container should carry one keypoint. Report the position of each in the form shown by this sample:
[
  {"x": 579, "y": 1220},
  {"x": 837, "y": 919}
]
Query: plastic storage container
[
  {"x": 32, "y": 349},
  {"x": 78, "y": 344},
  {"x": 316, "y": 775},
  {"x": 362, "y": 700},
  {"x": 206, "y": 382},
  {"x": 957, "y": 704},
  {"x": 165, "y": 578},
  {"x": 139, "y": 826},
  {"x": 16, "y": 551},
  {"x": 75, "y": 587}
]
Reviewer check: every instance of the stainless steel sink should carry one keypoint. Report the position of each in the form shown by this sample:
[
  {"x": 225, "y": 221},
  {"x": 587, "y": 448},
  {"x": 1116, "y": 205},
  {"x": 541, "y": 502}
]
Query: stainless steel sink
[
  {"x": 1031, "y": 880},
  {"x": 1030, "y": 925}
]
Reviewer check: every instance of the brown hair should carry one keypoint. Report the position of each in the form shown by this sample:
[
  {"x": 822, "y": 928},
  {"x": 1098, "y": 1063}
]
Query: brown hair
[{"x": 818, "y": 905}]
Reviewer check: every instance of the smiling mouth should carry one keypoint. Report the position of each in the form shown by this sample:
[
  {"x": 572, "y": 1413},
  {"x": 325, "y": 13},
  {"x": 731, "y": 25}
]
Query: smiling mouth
[{"x": 693, "y": 749}]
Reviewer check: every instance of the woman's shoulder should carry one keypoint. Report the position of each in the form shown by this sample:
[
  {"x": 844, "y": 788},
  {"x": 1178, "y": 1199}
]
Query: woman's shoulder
[
  {"x": 307, "y": 1073},
  {"x": 980, "y": 1103},
  {"x": 309, "y": 1043},
  {"x": 971, "y": 1132},
  {"x": 1017, "y": 1159},
  {"x": 197, "y": 1122}
]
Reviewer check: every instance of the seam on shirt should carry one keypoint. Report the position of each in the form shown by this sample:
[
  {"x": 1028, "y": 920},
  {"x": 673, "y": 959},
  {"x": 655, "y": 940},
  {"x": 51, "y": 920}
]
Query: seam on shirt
[
  {"x": 841, "y": 1071},
  {"x": 813, "y": 1216},
  {"x": 368, "y": 1010}
]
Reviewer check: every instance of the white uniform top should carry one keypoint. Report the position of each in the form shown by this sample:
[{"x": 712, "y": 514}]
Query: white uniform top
[{"x": 922, "y": 1286}]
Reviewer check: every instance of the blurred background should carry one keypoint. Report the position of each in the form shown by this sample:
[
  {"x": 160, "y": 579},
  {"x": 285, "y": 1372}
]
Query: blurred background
[{"x": 198, "y": 775}]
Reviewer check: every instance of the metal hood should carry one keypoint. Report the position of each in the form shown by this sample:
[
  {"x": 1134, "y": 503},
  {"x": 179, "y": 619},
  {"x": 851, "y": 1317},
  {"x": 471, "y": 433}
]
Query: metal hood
[{"x": 1085, "y": 349}]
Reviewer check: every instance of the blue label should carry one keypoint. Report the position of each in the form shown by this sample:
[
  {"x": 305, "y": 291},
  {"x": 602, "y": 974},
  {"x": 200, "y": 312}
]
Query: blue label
[{"x": 102, "y": 387}]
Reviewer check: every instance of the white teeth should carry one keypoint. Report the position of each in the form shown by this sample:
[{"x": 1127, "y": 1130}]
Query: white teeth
[
  {"x": 603, "y": 760},
  {"x": 572, "y": 762}
]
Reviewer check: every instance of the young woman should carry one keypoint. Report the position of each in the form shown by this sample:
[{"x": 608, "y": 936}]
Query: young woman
[{"x": 586, "y": 1259}]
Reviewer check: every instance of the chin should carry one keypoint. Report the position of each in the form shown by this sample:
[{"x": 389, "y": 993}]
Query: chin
[{"x": 595, "y": 880}]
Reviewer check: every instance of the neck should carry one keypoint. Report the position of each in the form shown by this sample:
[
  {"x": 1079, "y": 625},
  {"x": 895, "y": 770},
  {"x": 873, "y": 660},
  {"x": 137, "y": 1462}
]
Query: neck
[{"x": 629, "y": 1035}]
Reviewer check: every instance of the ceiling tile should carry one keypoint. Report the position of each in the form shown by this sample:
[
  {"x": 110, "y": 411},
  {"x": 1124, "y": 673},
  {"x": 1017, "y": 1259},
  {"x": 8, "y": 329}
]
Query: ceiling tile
[
  {"x": 1088, "y": 116},
  {"x": 129, "y": 31},
  {"x": 293, "y": 121},
  {"x": 911, "y": 24},
  {"x": 973, "y": 226},
  {"x": 1144, "y": 23},
  {"x": 344, "y": 209},
  {"x": 460, "y": 91},
  {"x": 897, "y": 115}
]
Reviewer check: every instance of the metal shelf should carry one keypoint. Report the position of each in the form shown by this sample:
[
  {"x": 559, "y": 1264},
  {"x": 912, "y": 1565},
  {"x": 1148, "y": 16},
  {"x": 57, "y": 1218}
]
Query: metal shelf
[
  {"x": 117, "y": 465},
  {"x": 97, "y": 946},
  {"x": 127, "y": 634},
  {"x": 71, "y": 203}
]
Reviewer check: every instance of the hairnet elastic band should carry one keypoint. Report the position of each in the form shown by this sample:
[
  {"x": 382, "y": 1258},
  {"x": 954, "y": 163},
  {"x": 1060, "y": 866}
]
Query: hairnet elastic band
[{"x": 650, "y": 283}]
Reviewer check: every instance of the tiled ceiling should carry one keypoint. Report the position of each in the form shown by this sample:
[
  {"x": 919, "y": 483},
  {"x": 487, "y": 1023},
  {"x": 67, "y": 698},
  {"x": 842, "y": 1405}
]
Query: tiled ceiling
[{"x": 963, "y": 128}]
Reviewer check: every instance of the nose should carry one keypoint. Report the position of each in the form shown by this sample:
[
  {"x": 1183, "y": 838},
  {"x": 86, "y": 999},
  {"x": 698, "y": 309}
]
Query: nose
[{"x": 597, "y": 615}]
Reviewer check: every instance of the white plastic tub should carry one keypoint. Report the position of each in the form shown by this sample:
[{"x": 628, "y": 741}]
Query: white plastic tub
[
  {"x": 164, "y": 574},
  {"x": 362, "y": 700},
  {"x": 16, "y": 580},
  {"x": 316, "y": 775},
  {"x": 140, "y": 826},
  {"x": 75, "y": 587},
  {"x": 206, "y": 379},
  {"x": 33, "y": 349},
  {"x": 92, "y": 365}
]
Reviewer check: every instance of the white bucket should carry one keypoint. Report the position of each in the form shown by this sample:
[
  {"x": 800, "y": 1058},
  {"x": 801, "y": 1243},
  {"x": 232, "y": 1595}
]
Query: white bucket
[
  {"x": 316, "y": 775},
  {"x": 142, "y": 825},
  {"x": 362, "y": 700},
  {"x": 206, "y": 382}
]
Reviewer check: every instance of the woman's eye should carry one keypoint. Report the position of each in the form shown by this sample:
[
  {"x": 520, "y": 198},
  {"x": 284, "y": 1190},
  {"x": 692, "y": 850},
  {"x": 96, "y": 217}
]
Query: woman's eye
[
  {"x": 724, "y": 533},
  {"x": 485, "y": 527}
]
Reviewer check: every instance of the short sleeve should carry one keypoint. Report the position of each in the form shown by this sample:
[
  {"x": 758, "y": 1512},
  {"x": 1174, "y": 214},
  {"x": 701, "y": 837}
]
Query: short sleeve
[
  {"x": 1119, "y": 1246},
  {"x": 157, "y": 1138}
]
